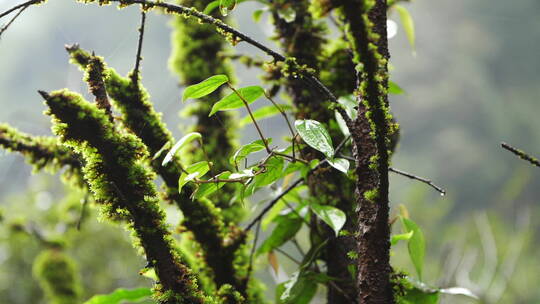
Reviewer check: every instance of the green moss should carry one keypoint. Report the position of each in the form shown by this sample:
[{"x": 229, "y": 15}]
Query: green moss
[
  {"x": 119, "y": 181},
  {"x": 42, "y": 153},
  {"x": 57, "y": 275},
  {"x": 371, "y": 195}
]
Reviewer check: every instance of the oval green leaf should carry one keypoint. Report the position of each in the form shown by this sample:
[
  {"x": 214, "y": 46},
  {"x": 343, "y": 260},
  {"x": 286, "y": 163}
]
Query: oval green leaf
[
  {"x": 315, "y": 135},
  {"x": 233, "y": 101},
  {"x": 416, "y": 245},
  {"x": 332, "y": 216},
  {"x": 194, "y": 171},
  {"x": 181, "y": 143},
  {"x": 205, "y": 87},
  {"x": 340, "y": 164},
  {"x": 408, "y": 24},
  {"x": 245, "y": 150}
]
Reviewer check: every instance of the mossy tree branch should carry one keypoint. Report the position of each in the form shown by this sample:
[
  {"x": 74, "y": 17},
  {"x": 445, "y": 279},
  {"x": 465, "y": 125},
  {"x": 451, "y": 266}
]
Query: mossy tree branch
[
  {"x": 42, "y": 152},
  {"x": 200, "y": 216},
  {"x": 123, "y": 186},
  {"x": 365, "y": 23}
]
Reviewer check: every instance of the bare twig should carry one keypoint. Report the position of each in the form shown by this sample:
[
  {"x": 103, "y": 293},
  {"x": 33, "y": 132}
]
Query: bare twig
[
  {"x": 286, "y": 119},
  {"x": 418, "y": 178},
  {"x": 521, "y": 154},
  {"x": 136, "y": 76},
  {"x": 5, "y": 27},
  {"x": 288, "y": 255},
  {"x": 22, "y": 5},
  {"x": 252, "y": 253},
  {"x": 246, "y": 104}
]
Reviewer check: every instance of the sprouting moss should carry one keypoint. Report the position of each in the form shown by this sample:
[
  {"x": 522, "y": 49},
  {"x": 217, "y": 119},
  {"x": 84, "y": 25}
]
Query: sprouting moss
[
  {"x": 228, "y": 295},
  {"x": 58, "y": 277},
  {"x": 42, "y": 152},
  {"x": 119, "y": 181},
  {"x": 371, "y": 195}
]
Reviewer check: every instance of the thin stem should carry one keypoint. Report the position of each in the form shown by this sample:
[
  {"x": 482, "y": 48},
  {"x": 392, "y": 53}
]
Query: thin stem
[
  {"x": 418, "y": 178},
  {"x": 22, "y": 5},
  {"x": 246, "y": 104},
  {"x": 136, "y": 75},
  {"x": 521, "y": 154},
  {"x": 252, "y": 253},
  {"x": 5, "y": 27},
  {"x": 286, "y": 119},
  {"x": 272, "y": 203},
  {"x": 288, "y": 189},
  {"x": 288, "y": 256}
]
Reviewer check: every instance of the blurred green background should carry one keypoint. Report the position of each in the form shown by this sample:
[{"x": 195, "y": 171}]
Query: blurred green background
[{"x": 473, "y": 83}]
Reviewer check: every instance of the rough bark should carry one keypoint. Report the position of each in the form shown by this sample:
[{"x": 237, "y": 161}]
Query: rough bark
[{"x": 366, "y": 27}]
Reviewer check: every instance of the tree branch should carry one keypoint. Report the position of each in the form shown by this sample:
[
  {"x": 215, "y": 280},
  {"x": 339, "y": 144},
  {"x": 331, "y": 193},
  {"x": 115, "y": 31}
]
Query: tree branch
[{"x": 521, "y": 154}]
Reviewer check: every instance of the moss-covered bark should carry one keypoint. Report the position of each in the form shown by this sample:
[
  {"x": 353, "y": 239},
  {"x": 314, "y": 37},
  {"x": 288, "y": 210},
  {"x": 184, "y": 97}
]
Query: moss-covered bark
[
  {"x": 123, "y": 186},
  {"x": 365, "y": 23},
  {"x": 42, "y": 152}
]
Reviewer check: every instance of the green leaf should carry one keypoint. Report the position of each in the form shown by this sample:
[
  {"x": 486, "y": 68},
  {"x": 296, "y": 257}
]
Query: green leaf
[
  {"x": 119, "y": 295},
  {"x": 315, "y": 135},
  {"x": 340, "y": 164},
  {"x": 226, "y": 5},
  {"x": 416, "y": 246},
  {"x": 394, "y": 88},
  {"x": 459, "y": 291},
  {"x": 194, "y": 171},
  {"x": 245, "y": 150},
  {"x": 233, "y": 101},
  {"x": 408, "y": 24},
  {"x": 262, "y": 113},
  {"x": 299, "y": 289},
  {"x": 181, "y": 143},
  {"x": 209, "y": 188},
  {"x": 401, "y": 237},
  {"x": 286, "y": 228},
  {"x": 205, "y": 87},
  {"x": 332, "y": 216},
  {"x": 274, "y": 171},
  {"x": 257, "y": 15},
  {"x": 418, "y": 296},
  {"x": 349, "y": 104},
  {"x": 211, "y": 7}
]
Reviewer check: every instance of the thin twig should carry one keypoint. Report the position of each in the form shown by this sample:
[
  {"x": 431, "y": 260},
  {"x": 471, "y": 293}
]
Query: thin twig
[
  {"x": 521, "y": 154},
  {"x": 291, "y": 187},
  {"x": 272, "y": 203},
  {"x": 16, "y": 7},
  {"x": 5, "y": 27},
  {"x": 287, "y": 255},
  {"x": 252, "y": 253},
  {"x": 286, "y": 119},
  {"x": 189, "y": 11},
  {"x": 138, "y": 59},
  {"x": 246, "y": 104},
  {"x": 418, "y": 178}
]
